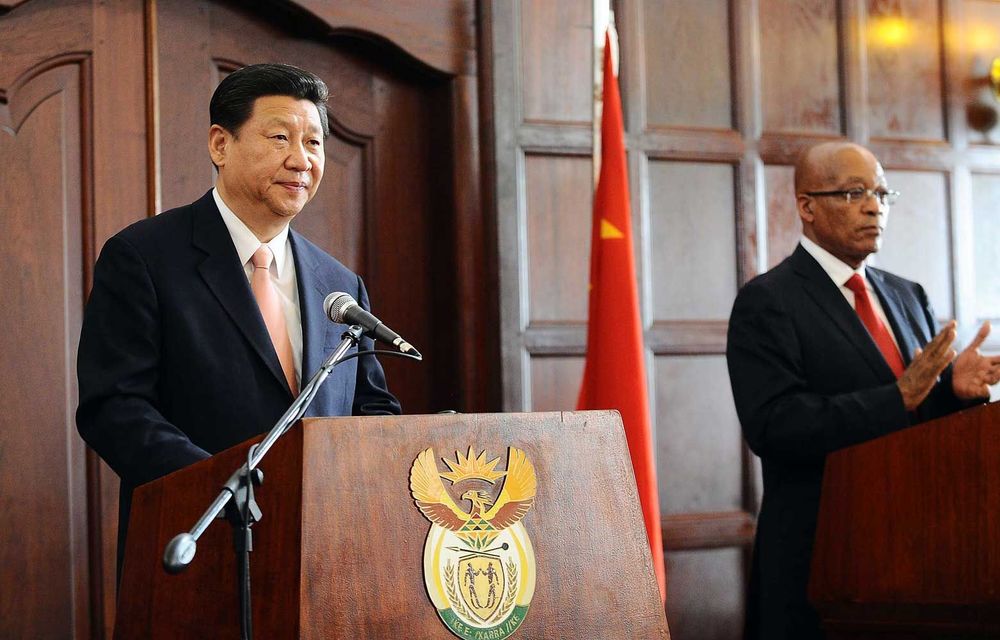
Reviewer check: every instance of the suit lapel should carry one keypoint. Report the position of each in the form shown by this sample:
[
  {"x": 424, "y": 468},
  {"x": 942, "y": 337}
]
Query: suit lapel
[
  {"x": 831, "y": 301},
  {"x": 316, "y": 280},
  {"x": 897, "y": 313},
  {"x": 222, "y": 272},
  {"x": 312, "y": 291}
]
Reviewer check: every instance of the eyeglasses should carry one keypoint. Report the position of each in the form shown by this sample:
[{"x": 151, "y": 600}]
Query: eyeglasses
[{"x": 884, "y": 196}]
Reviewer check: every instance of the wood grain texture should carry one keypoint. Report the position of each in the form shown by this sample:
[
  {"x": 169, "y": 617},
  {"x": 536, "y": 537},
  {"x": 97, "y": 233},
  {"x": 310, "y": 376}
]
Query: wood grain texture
[
  {"x": 556, "y": 60},
  {"x": 438, "y": 33},
  {"x": 202, "y": 602},
  {"x": 784, "y": 228},
  {"x": 800, "y": 66},
  {"x": 121, "y": 146},
  {"x": 688, "y": 76},
  {"x": 559, "y": 209},
  {"x": 708, "y": 607},
  {"x": 691, "y": 205},
  {"x": 187, "y": 77},
  {"x": 696, "y": 427},
  {"x": 594, "y": 578},
  {"x": 897, "y": 546},
  {"x": 411, "y": 254},
  {"x": 25, "y": 45},
  {"x": 555, "y": 382},
  {"x": 708, "y": 530},
  {"x": 44, "y": 586},
  {"x": 905, "y": 93},
  {"x": 473, "y": 241}
]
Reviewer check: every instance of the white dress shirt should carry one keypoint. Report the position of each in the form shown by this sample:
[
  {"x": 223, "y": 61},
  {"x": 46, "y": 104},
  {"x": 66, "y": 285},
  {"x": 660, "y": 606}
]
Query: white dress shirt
[
  {"x": 282, "y": 272},
  {"x": 840, "y": 272}
]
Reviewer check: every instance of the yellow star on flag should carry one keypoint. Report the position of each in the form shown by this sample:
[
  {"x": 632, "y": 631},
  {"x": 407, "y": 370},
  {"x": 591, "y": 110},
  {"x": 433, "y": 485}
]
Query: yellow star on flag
[{"x": 610, "y": 231}]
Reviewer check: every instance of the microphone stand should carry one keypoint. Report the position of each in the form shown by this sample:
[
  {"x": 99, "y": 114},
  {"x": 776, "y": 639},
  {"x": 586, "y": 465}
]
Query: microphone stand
[{"x": 180, "y": 551}]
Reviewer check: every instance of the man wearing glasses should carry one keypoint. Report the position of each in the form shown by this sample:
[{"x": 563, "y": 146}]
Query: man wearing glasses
[{"x": 825, "y": 352}]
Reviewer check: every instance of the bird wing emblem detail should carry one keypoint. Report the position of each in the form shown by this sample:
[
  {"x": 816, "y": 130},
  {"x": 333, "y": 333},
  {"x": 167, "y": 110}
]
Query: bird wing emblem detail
[
  {"x": 518, "y": 493},
  {"x": 431, "y": 496}
]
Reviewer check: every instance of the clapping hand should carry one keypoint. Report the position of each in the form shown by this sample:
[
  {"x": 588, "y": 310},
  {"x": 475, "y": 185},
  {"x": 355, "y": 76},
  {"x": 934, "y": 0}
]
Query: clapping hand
[
  {"x": 973, "y": 373},
  {"x": 920, "y": 377}
]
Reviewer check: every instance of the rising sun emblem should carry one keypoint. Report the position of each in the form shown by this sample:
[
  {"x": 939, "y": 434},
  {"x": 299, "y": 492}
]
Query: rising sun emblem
[{"x": 479, "y": 567}]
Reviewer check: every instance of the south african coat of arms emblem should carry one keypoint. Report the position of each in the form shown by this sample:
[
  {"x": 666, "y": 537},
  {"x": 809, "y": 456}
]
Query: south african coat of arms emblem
[{"x": 479, "y": 567}]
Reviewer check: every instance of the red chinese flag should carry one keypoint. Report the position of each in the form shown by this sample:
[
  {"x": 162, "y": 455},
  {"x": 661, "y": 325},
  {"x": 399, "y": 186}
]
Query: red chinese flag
[{"x": 614, "y": 376}]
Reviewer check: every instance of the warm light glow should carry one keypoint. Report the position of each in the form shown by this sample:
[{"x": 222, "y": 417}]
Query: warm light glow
[
  {"x": 890, "y": 31},
  {"x": 982, "y": 38}
]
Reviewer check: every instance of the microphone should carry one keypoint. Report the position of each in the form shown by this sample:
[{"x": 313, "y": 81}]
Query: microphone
[{"x": 341, "y": 307}]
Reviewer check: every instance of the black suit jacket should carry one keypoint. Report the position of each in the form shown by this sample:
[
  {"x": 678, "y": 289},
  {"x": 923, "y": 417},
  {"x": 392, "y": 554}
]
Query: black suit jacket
[
  {"x": 175, "y": 362},
  {"x": 808, "y": 380}
]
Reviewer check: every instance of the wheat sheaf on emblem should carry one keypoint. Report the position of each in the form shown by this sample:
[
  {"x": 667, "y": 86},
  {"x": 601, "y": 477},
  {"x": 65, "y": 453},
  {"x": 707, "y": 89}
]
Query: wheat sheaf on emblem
[
  {"x": 453, "y": 598},
  {"x": 479, "y": 526}
]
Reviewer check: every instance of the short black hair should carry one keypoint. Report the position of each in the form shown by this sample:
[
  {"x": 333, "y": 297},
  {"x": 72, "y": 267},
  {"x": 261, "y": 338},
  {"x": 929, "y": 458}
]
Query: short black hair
[{"x": 232, "y": 102}]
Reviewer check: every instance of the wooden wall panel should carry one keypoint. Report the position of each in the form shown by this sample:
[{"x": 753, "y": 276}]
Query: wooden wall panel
[
  {"x": 986, "y": 226},
  {"x": 559, "y": 204},
  {"x": 70, "y": 27},
  {"x": 917, "y": 241},
  {"x": 556, "y": 60},
  {"x": 688, "y": 77},
  {"x": 691, "y": 204},
  {"x": 438, "y": 33},
  {"x": 784, "y": 228},
  {"x": 696, "y": 429},
  {"x": 555, "y": 382},
  {"x": 42, "y": 463},
  {"x": 342, "y": 225},
  {"x": 800, "y": 73},
  {"x": 185, "y": 84},
  {"x": 701, "y": 603},
  {"x": 904, "y": 59}
]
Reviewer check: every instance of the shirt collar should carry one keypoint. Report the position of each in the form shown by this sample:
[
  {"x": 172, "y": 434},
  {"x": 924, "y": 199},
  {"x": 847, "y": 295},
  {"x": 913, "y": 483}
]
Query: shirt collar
[
  {"x": 840, "y": 272},
  {"x": 244, "y": 239}
]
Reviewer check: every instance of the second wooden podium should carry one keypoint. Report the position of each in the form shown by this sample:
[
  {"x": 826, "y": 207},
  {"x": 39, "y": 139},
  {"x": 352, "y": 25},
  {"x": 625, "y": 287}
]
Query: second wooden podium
[
  {"x": 908, "y": 539},
  {"x": 537, "y": 534}
]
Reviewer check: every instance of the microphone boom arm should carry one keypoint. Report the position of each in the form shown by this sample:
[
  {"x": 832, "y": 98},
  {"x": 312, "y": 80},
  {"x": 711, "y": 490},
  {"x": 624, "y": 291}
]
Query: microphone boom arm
[{"x": 180, "y": 551}]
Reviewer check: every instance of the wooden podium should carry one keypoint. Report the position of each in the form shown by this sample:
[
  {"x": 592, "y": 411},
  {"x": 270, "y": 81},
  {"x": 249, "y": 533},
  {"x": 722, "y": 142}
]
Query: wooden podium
[
  {"x": 908, "y": 540},
  {"x": 340, "y": 550}
]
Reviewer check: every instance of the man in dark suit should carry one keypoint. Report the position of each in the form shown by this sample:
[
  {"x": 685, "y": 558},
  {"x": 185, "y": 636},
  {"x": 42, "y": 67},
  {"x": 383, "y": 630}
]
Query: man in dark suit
[
  {"x": 825, "y": 352},
  {"x": 205, "y": 320}
]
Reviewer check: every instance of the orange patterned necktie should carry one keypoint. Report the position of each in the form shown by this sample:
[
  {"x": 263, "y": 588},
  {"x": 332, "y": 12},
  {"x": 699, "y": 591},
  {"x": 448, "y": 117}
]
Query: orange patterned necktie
[
  {"x": 270, "y": 307},
  {"x": 878, "y": 331}
]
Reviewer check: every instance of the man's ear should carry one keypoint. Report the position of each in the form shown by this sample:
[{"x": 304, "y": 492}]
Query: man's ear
[
  {"x": 218, "y": 144},
  {"x": 804, "y": 205}
]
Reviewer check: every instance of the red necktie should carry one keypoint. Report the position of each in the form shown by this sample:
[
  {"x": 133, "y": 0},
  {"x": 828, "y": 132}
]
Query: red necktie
[{"x": 878, "y": 331}]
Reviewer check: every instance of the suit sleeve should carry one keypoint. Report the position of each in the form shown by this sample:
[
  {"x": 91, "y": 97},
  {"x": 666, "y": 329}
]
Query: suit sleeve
[
  {"x": 118, "y": 371},
  {"x": 371, "y": 394},
  {"x": 781, "y": 415}
]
